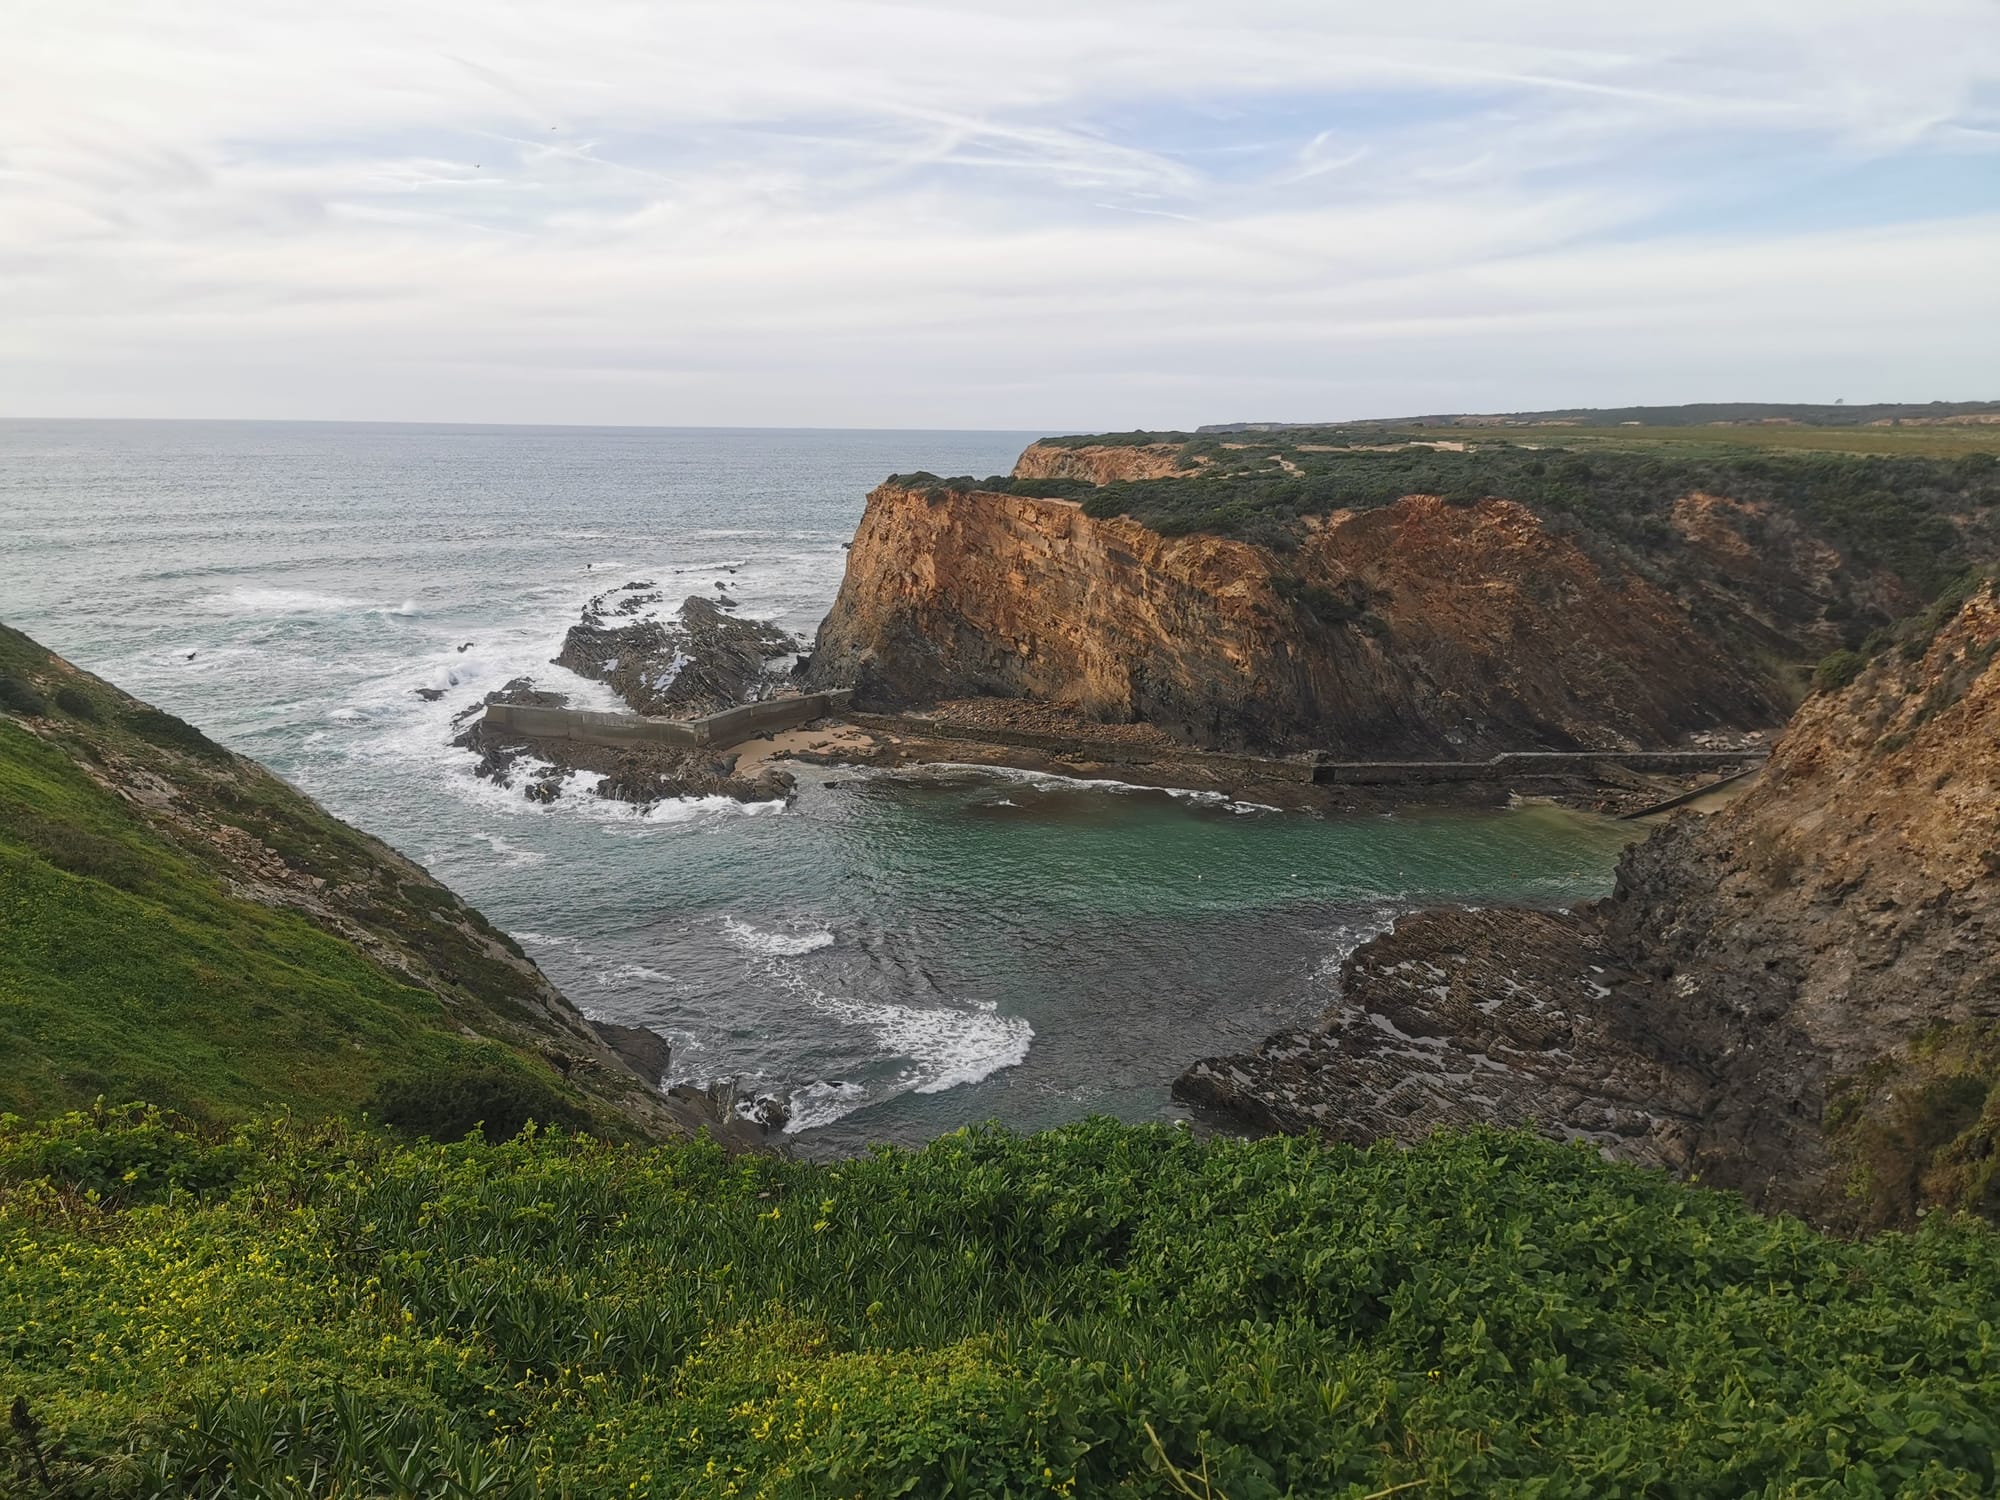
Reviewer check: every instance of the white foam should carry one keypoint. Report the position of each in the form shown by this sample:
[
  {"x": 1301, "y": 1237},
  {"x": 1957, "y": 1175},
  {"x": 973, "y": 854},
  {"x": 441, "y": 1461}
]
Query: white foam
[
  {"x": 265, "y": 601},
  {"x": 946, "y": 1048},
  {"x": 774, "y": 944},
  {"x": 542, "y": 939},
  {"x": 820, "y": 1103},
  {"x": 512, "y": 855},
  {"x": 625, "y": 973},
  {"x": 1055, "y": 781}
]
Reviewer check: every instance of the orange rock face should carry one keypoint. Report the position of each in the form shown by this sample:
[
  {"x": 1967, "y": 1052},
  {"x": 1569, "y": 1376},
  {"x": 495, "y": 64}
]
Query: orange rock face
[
  {"x": 1100, "y": 463},
  {"x": 1419, "y": 628}
]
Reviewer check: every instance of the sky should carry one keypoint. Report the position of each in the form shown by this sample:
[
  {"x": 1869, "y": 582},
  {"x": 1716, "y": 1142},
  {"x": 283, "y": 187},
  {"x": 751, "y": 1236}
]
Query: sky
[{"x": 1068, "y": 216}]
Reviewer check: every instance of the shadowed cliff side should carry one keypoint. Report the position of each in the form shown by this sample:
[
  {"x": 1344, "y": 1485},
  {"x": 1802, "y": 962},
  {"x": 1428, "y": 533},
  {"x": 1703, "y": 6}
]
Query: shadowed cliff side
[{"x": 1799, "y": 997}]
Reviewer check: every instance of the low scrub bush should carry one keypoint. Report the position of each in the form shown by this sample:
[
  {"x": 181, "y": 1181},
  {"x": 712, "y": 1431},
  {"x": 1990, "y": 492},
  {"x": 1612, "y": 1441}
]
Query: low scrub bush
[
  {"x": 1837, "y": 670},
  {"x": 449, "y": 1104},
  {"x": 76, "y": 703},
  {"x": 73, "y": 849},
  {"x": 20, "y": 697},
  {"x": 1099, "y": 1310},
  {"x": 173, "y": 732}
]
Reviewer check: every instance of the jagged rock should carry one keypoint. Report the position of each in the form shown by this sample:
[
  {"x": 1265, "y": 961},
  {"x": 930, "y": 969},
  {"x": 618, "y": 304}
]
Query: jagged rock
[
  {"x": 652, "y": 774},
  {"x": 640, "y": 1048},
  {"x": 699, "y": 662}
]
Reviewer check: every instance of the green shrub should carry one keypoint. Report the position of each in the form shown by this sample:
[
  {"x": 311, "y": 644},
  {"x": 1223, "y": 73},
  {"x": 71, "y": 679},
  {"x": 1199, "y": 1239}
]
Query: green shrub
[
  {"x": 20, "y": 697},
  {"x": 329, "y": 1313},
  {"x": 77, "y": 704},
  {"x": 173, "y": 733},
  {"x": 1837, "y": 670},
  {"x": 448, "y": 1105},
  {"x": 76, "y": 850}
]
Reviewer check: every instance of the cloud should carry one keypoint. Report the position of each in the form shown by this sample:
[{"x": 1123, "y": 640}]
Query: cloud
[{"x": 1026, "y": 214}]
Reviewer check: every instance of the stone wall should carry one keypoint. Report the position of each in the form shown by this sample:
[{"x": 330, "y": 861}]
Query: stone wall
[{"x": 729, "y": 727}]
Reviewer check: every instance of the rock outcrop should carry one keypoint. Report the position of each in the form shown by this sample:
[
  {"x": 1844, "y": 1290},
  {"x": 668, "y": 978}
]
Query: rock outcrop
[
  {"x": 1799, "y": 997},
  {"x": 698, "y": 662},
  {"x": 1102, "y": 463},
  {"x": 1418, "y": 628}
]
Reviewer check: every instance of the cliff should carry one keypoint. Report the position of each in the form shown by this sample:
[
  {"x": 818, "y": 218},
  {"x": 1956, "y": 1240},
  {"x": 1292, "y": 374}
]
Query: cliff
[
  {"x": 1799, "y": 997},
  {"x": 1102, "y": 463},
  {"x": 185, "y": 928},
  {"x": 1420, "y": 627}
]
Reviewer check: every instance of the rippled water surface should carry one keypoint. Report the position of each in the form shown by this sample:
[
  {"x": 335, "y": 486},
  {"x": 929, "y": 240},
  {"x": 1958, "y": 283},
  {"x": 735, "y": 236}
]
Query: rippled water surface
[{"x": 896, "y": 954}]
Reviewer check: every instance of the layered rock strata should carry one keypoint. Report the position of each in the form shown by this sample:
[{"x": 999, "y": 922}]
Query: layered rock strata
[{"x": 1416, "y": 629}]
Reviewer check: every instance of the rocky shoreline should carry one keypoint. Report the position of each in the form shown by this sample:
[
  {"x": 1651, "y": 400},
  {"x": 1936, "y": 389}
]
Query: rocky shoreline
[{"x": 1798, "y": 998}]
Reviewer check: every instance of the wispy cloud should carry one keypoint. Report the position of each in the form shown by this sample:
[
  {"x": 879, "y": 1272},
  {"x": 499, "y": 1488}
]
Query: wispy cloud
[{"x": 1028, "y": 213}]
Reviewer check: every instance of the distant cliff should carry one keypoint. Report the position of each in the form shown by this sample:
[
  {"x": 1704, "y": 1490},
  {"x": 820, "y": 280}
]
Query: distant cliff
[
  {"x": 1420, "y": 627},
  {"x": 1799, "y": 997}
]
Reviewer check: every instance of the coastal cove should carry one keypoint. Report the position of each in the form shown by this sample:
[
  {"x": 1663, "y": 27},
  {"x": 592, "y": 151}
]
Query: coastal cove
[{"x": 895, "y": 954}]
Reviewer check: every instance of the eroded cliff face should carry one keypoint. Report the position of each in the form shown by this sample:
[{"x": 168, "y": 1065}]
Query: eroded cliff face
[
  {"x": 1419, "y": 628},
  {"x": 1832, "y": 941},
  {"x": 1799, "y": 997},
  {"x": 1101, "y": 463}
]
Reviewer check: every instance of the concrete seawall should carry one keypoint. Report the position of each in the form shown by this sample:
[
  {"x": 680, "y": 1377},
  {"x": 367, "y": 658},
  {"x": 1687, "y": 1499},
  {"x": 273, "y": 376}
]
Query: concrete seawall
[
  {"x": 1518, "y": 764},
  {"x": 1313, "y": 766},
  {"x": 729, "y": 727}
]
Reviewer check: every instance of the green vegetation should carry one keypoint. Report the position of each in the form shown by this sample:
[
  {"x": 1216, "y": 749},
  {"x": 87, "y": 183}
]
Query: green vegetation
[
  {"x": 284, "y": 1311},
  {"x": 1837, "y": 670},
  {"x": 1870, "y": 427},
  {"x": 1919, "y": 518},
  {"x": 191, "y": 946},
  {"x": 130, "y": 972},
  {"x": 496, "y": 1101}
]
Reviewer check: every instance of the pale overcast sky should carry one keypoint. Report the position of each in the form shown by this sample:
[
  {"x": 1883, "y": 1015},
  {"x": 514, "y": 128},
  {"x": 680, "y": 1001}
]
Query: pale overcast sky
[{"x": 1020, "y": 214}]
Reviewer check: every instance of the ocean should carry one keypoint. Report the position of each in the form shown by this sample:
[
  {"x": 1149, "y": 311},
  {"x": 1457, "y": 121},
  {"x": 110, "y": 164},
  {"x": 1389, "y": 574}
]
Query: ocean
[{"x": 894, "y": 954}]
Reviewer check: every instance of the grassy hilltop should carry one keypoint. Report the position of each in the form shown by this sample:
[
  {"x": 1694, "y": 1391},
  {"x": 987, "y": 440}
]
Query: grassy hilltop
[{"x": 1920, "y": 510}]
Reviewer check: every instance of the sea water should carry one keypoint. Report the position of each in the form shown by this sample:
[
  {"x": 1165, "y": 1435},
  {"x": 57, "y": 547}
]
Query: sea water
[{"x": 894, "y": 954}]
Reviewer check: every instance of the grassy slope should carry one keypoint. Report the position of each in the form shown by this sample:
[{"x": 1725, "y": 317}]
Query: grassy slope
[
  {"x": 136, "y": 965},
  {"x": 156, "y": 984},
  {"x": 1062, "y": 1314}
]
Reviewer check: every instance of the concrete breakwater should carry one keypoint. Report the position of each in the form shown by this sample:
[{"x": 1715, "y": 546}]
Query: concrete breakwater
[
  {"x": 1518, "y": 764},
  {"x": 1318, "y": 767},
  {"x": 728, "y": 727}
]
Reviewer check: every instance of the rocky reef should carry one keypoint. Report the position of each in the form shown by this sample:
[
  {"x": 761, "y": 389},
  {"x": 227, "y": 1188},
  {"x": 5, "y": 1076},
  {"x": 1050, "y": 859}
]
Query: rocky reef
[
  {"x": 700, "y": 660},
  {"x": 1798, "y": 997}
]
